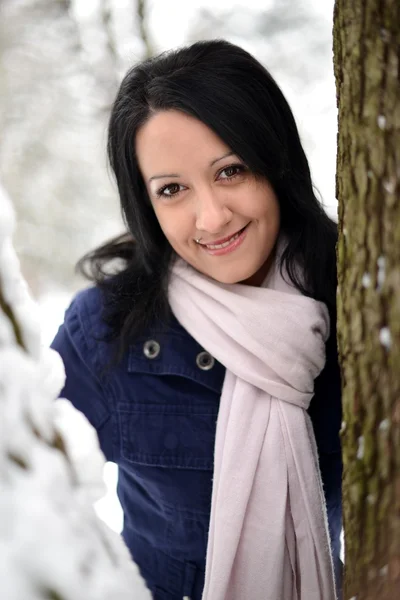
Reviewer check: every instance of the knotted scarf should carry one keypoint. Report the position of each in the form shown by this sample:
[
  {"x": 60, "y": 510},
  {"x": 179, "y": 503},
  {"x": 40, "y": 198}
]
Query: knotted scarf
[{"x": 268, "y": 535}]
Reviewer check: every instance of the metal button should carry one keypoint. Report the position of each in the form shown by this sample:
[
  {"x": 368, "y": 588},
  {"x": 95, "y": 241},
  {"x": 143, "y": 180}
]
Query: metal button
[
  {"x": 205, "y": 361},
  {"x": 151, "y": 349}
]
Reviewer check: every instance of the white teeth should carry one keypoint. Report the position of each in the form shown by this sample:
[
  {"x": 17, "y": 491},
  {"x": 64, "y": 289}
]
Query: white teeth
[{"x": 225, "y": 244}]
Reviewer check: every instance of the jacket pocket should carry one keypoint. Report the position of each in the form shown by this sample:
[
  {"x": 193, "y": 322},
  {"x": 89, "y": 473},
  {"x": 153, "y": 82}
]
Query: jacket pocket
[{"x": 178, "y": 436}]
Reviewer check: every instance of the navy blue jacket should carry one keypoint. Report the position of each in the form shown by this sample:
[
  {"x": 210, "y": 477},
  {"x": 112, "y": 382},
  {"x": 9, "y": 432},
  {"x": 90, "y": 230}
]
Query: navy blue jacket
[{"x": 155, "y": 415}]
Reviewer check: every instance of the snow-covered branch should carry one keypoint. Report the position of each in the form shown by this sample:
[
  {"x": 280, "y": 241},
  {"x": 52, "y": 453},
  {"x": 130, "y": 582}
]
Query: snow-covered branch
[{"x": 52, "y": 544}]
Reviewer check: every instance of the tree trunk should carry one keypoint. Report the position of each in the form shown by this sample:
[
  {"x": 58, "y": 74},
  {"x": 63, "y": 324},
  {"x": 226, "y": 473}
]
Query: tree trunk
[{"x": 367, "y": 72}]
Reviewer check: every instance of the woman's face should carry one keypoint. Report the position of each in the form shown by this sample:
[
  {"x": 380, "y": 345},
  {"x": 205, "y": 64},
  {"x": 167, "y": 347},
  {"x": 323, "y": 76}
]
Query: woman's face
[{"x": 201, "y": 190}]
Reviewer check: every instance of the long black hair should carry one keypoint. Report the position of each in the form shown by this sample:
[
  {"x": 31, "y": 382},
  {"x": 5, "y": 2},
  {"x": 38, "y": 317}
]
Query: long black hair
[{"x": 226, "y": 88}]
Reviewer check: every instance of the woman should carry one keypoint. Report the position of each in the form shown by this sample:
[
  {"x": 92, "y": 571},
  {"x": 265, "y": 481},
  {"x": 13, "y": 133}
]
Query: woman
[{"x": 221, "y": 305}]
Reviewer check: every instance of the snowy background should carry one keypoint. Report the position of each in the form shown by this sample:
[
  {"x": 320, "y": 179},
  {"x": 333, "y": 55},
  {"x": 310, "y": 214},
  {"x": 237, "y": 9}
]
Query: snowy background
[
  {"x": 60, "y": 66},
  {"x": 52, "y": 543}
]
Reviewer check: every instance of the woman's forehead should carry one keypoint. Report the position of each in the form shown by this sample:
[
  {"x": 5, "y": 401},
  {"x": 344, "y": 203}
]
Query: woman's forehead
[{"x": 172, "y": 138}]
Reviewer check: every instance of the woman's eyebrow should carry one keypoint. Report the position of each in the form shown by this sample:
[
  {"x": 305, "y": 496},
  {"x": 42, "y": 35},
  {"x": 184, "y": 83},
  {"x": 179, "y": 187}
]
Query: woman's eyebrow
[
  {"x": 221, "y": 158},
  {"x": 163, "y": 176},
  {"x": 212, "y": 163}
]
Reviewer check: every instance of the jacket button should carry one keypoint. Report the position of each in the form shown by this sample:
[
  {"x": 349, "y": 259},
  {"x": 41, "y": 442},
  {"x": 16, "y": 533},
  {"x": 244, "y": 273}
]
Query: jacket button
[
  {"x": 205, "y": 361},
  {"x": 151, "y": 349}
]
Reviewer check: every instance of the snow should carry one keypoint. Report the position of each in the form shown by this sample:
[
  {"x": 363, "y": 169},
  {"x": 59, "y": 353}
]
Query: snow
[
  {"x": 383, "y": 572},
  {"x": 381, "y": 122},
  {"x": 381, "y": 262},
  {"x": 52, "y": 306},
  {"x": 389, "y": 185},
  {"x": 384, "y": 425},
  {"x": 52, "y": 543},
  {"x": 361, "y": 447},
  {"x": 366, "y": 280},
  {"x": 14, "y": 289},
  {"x": 385, "y": 337},
  {"x": 108, "y": 508}
]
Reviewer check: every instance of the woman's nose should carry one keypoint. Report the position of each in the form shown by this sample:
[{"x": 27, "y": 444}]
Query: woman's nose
[{"x": 212, "y": 213}]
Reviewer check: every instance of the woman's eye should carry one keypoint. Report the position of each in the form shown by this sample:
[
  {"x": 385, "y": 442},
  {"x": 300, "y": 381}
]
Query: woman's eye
[
  {"x": 232, "y": 171},
  {"x": 169, "y": 190}
]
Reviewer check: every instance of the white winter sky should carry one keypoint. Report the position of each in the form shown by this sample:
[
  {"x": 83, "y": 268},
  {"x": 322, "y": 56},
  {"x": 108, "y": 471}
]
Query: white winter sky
[{"x": 170, "y": 22}]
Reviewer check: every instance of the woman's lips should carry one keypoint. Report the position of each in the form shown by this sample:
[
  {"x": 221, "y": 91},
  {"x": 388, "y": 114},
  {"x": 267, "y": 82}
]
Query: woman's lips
[{"x": 228, "y": 246}]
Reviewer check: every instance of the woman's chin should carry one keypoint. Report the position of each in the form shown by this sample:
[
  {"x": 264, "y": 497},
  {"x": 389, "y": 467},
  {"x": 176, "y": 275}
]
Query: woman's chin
[
  {"x": 232, "y": 276},
  {"x": 250, "y": 274}
]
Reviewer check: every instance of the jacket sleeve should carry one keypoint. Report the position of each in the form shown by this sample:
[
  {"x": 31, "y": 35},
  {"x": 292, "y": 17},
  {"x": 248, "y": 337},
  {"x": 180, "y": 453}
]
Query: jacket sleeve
[{"x": 83, "y": 386}]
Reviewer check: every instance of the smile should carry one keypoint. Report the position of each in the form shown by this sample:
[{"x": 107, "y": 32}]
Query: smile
[{"x": 228, "y": 245}]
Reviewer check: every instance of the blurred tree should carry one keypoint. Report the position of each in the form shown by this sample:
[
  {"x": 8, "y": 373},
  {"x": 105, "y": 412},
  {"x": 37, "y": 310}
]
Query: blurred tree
[
  {"x": 144, "y": 31},
  {"x": 367, "y": 59},
  {"x": 288, "y": 35},
  {"x": 52, "y": 118},
  {"x": 61, "y": 62}
]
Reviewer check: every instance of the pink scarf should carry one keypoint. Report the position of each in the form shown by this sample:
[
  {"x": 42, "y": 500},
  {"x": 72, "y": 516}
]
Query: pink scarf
[{"x": 268, "y": 537}]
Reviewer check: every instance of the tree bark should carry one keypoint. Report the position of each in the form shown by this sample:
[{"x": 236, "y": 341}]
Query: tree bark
[{"x": 367, "y": 72}]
